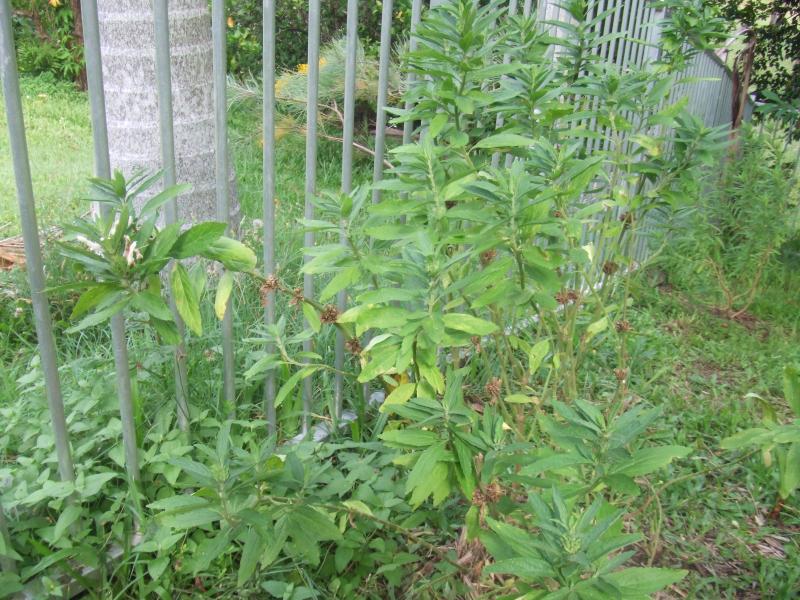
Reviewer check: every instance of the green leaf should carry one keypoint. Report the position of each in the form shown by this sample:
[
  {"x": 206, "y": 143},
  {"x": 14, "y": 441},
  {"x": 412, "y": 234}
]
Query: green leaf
[
  {"x": 67, "y": 517},
  {"x": 186, "y": 300},
  {"x": 290, "y": 384},
  {"x": 210, "y": 549},
  {"x": 179, "y": 503},
  {"x": 520, "y": 399},
  {"x": 233, "y": 254},
  {"x": 748, "y": 437},
  {"x": 100, "y": 316},
  {"x": 505, "y": 140},
  {"x": 167, "y": 331},
  {"x": 224, "y": 289},
  {"x": 553, "y": 463},
  {"x": 399, "y": 395},
  {"x": 537, "y": 354},
  {"x": 340, "y": 281},
  {"x": 152, "y": 304},
  {"x": 429, "y": 477},
  {"x": 314, "y": 524},
  {"x": 409, "y": 438},
  {"x": 163, "y": 197},
  {"x": 529, "y": 569},
  {"x": 251, "y": 551},
  {"x": 189, "y": 519},
  {"x": 92, "y": 297},
  {"x": 196, "y": 240},
  {"x": 648, "y": 460},
  {"x": 437, "y": 124},
  {"x": 639, "y": 582},
  {"x": 358, "y": 506},
  {"x": 312, "y": 318},
  {"x": 790, "y": 471},
  {"x": 157, "y": 566},
  {"x": 597, "y": 327},
  {"x": 9, "y": 585},
  {"x": 468, "y": 324},
  {"x": 791, "y": 387}
]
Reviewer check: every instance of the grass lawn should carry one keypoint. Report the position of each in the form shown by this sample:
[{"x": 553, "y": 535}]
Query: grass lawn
[
  {"x": 711, "y": 515},
  {"x": 59, "y": 145}
]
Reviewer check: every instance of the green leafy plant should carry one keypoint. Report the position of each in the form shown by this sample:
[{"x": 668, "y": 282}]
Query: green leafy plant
[
  {"x": 124, "y": 252},
  {"x": 779, "y": 442},
  {"x": 734, "y": 233}
]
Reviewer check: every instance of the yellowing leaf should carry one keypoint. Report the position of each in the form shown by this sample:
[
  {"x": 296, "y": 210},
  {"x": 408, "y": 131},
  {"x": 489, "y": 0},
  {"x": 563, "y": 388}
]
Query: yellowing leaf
[{"x": 400, "y": 395}]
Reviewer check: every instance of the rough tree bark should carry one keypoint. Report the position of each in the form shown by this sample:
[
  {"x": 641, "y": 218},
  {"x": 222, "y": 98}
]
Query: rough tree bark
[{"x": 127, "y": 40}]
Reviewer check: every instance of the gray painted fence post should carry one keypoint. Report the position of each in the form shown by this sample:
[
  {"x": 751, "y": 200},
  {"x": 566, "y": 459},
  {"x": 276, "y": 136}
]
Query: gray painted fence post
[
  {"x": 97, "y": 105},
  {"x": 351, "y": 50},
  {"x": 311, "y": 178},
  {"x": 218, "y": 34},
  {"x": 269, "y": 195},
  {"x": 383, "y": 92},
  {"x": 30, "y": 233},
  {"x": 164, "y": 77}
]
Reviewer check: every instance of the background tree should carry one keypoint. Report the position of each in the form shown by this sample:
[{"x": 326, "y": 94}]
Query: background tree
[
  {"x": 769, "y": 59},
  {"x": 127, "y": 39}
]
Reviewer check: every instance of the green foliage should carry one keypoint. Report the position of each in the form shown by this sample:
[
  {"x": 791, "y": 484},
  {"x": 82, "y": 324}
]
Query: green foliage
[
  {"x": 124, "y": 252},
  {"x": 46, "y": 40},
  {"x": 743, "y": 215},
  {"x": 775, "y": 27},
  {"x": 690, "y": 27},
  {"x": 489, "y": 295},
  {"x": 291, "y": 24},
  {"x": 775, "y": 439}
]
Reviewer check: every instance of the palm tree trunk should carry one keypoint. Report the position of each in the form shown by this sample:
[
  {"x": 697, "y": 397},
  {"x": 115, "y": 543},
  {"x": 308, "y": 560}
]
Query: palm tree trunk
[{"x": 128, "y": 47}]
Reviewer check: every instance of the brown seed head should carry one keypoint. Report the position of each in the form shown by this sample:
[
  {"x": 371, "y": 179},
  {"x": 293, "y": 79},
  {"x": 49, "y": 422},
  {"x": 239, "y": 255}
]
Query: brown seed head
[
  {"x": 329, "y": 314},
  {"x": 558, "y": 214},
  {"x": 353, "y": 346},
  {"x": 610, "y": 267},
  {"x": 626, "y": 218},
  {"x": 622, "y": 326},
  {"x": 297, "y": 297},
  {"x": 492, "y": 388},
  {"x": 493, "y": 492},
  {"x": 572, "y": 295},
  {"x": 488, "y": 256},
  {"x": 478, "y": 499},
  {"x": 476, "y": 342},
  {"x": 621, "y": 374},
  {"x": 270, "y": 284}
]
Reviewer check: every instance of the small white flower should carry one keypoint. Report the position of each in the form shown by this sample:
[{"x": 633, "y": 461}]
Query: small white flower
[
  {"x": 536, "y": 111},
  {"x": 93, "y": 246},
  {"x": 113, "y": 229},
  {"x": 131, "y": 253},
  {"x": 258, "y": 223},
  {"x": 18, "y": 312}
]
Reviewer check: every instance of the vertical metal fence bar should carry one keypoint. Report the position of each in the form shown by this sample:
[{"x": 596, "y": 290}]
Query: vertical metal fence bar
[
  {"x": 526, "y": 8},
  {"x": 512, "y": 10},
  {"x": 351, "y": 50},
  {"x": 219, "y": 32},
  {"x": 30, "y": 234},
  {"x": 416, "y": 15},
  {"x": 269, "y": 194},
  {"x": 97, "y": 106},
  {"x": 383, "y": 92},
  {"x": 311, "y": 177},
  {"x": 165, "y": 118}
]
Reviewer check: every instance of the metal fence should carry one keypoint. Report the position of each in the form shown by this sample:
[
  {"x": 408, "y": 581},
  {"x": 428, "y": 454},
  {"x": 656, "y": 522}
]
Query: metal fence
[{"x": 710, "y": 97}]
